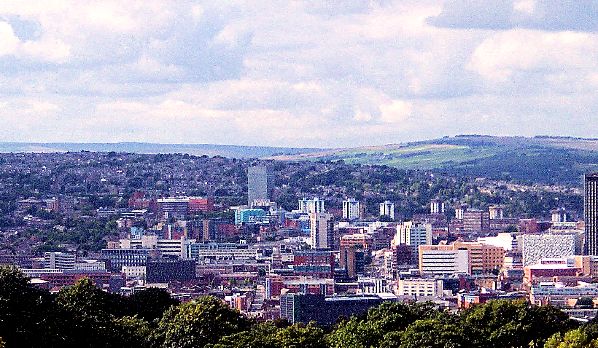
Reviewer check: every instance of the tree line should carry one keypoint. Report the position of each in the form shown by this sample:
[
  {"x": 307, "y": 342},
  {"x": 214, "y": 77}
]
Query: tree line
[{"x": 85, "y": 316}]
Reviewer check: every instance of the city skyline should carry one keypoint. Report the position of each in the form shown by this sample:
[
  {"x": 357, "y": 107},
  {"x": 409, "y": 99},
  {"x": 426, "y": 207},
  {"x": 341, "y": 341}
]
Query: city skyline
[{"x": 299, "y": 74}]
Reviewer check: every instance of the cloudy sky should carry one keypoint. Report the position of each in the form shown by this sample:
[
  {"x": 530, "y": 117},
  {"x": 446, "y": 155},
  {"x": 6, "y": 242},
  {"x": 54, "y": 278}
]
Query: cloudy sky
[{"x": 296, "y": 73}]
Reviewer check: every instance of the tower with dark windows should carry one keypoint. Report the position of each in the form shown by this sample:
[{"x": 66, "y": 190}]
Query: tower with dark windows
[{"x": 591, "y": 214}]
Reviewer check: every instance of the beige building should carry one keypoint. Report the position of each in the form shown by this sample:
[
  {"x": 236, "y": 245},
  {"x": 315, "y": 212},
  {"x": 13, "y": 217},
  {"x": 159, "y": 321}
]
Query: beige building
[
  {"x": 481, "y": 258},
  {"x": 420, "y": 287},
  {"x": 588, "y": 265}
]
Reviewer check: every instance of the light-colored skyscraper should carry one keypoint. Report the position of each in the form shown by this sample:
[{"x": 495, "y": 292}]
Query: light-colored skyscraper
[
  {"x": 436, "y": 206},
  {"x": 460, "y": 211},
  {"x": 351, "y": 209},
  {"x": 413, "y": 234},
  {"x": 591, "y": 214},
  {"x": 558, "y": 215},
  {"x": 496, "y": 212},
  {"x": 321, "y": 230},
  {"x": 314, "y": 205},
  {"x": 387, "y": 208},
  {"x": 259, "y": 184}
]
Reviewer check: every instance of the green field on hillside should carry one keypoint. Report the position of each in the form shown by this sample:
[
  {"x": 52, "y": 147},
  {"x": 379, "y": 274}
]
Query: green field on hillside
[{"x": 425, "y": 156}]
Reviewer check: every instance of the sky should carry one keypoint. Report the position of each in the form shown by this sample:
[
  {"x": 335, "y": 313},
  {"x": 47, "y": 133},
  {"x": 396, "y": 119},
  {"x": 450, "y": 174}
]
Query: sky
[{"x": 296, "y": 73}]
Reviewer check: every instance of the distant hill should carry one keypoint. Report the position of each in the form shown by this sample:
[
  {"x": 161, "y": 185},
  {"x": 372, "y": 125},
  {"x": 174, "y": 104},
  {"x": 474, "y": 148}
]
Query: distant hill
[
  {"x": 234, "y": 151},
  {"x": 543, "y": 159}
]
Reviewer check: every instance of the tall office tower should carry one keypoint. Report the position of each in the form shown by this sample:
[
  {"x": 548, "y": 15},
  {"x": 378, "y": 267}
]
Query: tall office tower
[
  {"x": 558, "y": 215},
  {"x": 413, "y": 234},
  {"x": 259, "y": 184},
  {"x": 321, "y": 230},
  {"x": 460, "y": 211},
  {"x": 591, "y": 214},
  {"x": 476, "y": 221},
  {"x": 315, "y": 205},
  {"x": 496, "y": 212},
  {"x": 387, "y": 208},
  {"x": 436, "y": 206},
  {"x": 347, "y": 260},
  {"x": 351, "y": 209}
]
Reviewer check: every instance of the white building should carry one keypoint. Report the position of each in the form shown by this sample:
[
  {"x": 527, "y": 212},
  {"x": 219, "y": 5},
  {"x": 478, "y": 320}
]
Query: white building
[
  {"x": 436, "y": 206},
  {"x": 460, "y": 211},
  {"x": 387, "y": 208},
  {"x": 59, "y": 260},
  {"x": 443, "y": 260},
  {"x": 90, "y": 265},
  {"x": 557, "y": 294},
  {"x": 535, "y": 247},
  {"x": 351, "y": 209},
  {"x": 314, "y": 205},
  {"x": 204, "y": 252},
  {"x": 170, "y": 247},
  {"x": 390, "y": 263},
  {"x": 321, "y": 230},
  {"x": 134, "y": 272},
  {"x": 504, "y": 240},
  {"x": 421, "y": 287},
  {"x": 413, "y": 234},
  {"x": 496, "y": 212},
  {"x": 558, "y": 215}
]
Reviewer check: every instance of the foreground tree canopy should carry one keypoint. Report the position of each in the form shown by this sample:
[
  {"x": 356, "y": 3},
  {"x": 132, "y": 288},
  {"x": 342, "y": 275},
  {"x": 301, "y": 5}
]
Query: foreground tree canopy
[{"x": 84, "y": 316}]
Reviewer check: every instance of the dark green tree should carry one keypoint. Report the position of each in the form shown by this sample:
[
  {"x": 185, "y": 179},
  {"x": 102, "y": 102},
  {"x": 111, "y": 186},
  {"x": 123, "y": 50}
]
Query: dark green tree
[
  {"x": 300, "y": 336},
  {"x": 129, "y": 332},
  {"x": 576, "y": 338},
  {"x": 86, "y": 300},
  {"x": 259, "y": 336},
  {"x": 90, "y": 316},
  {"x": 198, "y": 323},
  {"x": 370, "y": 330},
  {"x": 504, "y": 323},
  {"x": 27, "y": 314},
  {"x": 433, "y": 333},
  {"x": 151, "y": 303}
]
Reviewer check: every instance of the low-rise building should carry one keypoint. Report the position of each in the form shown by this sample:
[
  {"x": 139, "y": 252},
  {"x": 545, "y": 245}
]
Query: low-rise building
[
  {"x": 443, "y": 259},
  {"x": 117, "y": 258},
  {"x": 204, "y": 252},
  {"x": 550, "y": 268},
  {"x": 535, "y": 247},
  {"x": 167, "y": 247},
  {"x": 134, "y": 272},
  {"x": 420, "y": 287},
  {"x": 59, "y": 260},
  {"x": 557, "y": 294},
  {"x": 299, "y": 308},
  {"x": 167, "y": 270}
]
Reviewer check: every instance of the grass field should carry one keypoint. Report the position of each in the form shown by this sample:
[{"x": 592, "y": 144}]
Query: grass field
[{"x": 420, "y": 156}]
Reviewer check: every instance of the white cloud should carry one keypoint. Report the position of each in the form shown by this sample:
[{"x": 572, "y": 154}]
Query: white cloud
[
  {"x": 396, "y": 111},
  {"x": 292, "y": 73},
  {"x": 525, "y": 6},
  {"x": 41, "y": 107},
  {"x": 505, "y": 53},
  {"x": 8, "y": 41}
]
